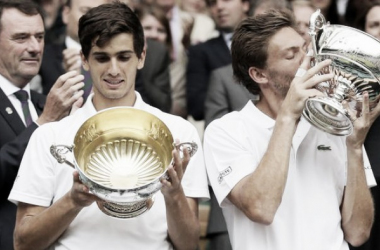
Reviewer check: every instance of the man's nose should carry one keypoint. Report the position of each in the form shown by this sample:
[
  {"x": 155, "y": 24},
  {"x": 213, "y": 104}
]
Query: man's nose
[
  {"x": 34, "y": 45},
  {"x": 113, "y": 68}
]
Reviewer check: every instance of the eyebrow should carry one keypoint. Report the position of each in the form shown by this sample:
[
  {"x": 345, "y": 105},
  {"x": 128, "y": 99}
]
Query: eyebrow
[
  {"x": 118, "y": 53},
  {"x": 294, "y": 47},
  {"x": 28, "y": 34}
]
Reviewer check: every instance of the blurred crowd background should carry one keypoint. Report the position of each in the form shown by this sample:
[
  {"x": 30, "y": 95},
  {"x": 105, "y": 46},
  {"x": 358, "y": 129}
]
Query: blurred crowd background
[{"x": 188, "y": 59}]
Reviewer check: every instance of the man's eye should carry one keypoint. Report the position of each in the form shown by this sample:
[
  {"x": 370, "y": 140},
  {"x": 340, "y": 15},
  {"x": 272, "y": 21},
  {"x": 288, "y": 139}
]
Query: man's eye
[
  {"x": 21, "y": 38},
  {"x": 124, "y": 58},
  {"x": 101, "y": 59},
  {"x": 289, "y": 57},
  {"x": 40, "y": 37}
]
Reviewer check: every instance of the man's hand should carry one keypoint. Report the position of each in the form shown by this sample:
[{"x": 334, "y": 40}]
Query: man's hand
[
  {"x": 172, "y": 186},
  {"x": 71, "y": 60},
  {"x": 80, "y": 194},
  {"x": 302, "y": 86},
  {"x": 362, "y": 121},
  {"x": 65, "y": 92}
]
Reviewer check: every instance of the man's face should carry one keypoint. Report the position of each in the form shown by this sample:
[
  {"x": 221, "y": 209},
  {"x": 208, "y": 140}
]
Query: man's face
[
  {"x": 71, "y": 15},
  {"x": 228, "y": 13},
  {"x": 286, "y": 51},
  {"x": 153, "y": 29},
  {"x": 372, "y": 23},
  {"x": 113, "y": 71},
  {"x": 22, "y": 44},
  {"x": 166, "y": 5},
  {"x": 51, "y": 8},
  {"x": 302, "y": 15}
]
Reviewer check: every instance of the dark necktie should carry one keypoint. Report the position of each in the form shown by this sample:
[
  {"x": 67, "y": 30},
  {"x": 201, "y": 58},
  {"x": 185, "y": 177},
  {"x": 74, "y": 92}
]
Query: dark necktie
[
  {"x": 23, "y": 96},
  {"x": 87, "y": 83}
]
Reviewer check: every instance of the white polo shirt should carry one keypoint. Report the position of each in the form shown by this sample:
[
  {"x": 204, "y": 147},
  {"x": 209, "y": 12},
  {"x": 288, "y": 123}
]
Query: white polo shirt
[
  {"x": 41, "y": 181},
  {"x": 309, "y": 216}
]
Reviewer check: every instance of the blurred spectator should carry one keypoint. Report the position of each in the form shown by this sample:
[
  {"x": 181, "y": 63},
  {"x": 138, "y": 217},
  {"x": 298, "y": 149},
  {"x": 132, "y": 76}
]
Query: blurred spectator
[
  {"x": 153, "y": 80},
  {"x": 224, "y": 94},
  {"x": 354, "y": 11},
  {"x": 156, "y": 25},
  {"x": 212, "y": 54},
  {"x": 181, "y": 24},
  {"x": 369, "y": 22},
  {"x": 64, "y": 57},
  {"x": 302, "y": 10},
  {"x": 54, "y": 26},
  {"x": 204, "y": 26},
  {"x": 262, "y": 6},
  {"x": 194, "y": 6},
  {"x": 329, "y": 9}
]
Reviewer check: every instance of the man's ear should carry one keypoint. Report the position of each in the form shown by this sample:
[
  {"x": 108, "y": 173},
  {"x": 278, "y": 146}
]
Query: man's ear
[
  {"x": 84, "y": 61},
  {"x": 141, "y": 62},
  {"x": 258, "y": 75}
]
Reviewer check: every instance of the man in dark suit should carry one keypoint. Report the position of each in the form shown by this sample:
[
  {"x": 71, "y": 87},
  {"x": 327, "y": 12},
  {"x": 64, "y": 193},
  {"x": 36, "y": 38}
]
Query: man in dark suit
[
  {"x": 212, "y": 54},
  {"x": 224, "y": 94},
  {"x": 153, "y": 80},
  {"x": 22, "y": 42}
]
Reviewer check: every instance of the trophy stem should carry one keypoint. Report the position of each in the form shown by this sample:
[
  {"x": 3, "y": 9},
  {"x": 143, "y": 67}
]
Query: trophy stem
[{"x": 327, "y": 114}]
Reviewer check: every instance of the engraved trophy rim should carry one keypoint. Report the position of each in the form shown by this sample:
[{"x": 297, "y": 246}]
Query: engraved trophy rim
[
  {"x": 355, "y": 70},
  {"x": 118, "y": 189}
]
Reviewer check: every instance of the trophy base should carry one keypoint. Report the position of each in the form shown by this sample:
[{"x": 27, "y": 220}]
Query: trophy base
[
  {"x": 125, "y": 210},
  {"x": 328, "y": 115}
]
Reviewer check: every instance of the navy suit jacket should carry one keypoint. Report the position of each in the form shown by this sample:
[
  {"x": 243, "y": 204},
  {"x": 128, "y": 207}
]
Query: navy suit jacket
[
  {"x": 203, "y": 59},
  {"x": 14, "y": 138},
  {"x": 51, "y": 65}
]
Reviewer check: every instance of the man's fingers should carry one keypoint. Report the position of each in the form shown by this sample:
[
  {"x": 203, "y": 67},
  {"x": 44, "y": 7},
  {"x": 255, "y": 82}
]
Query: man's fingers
[
  {"x": 63, "y": 78},
  {"x": 306, "y": 61},
  {"x": 318, "y": 68},
  {"x": 316, "y": 79}
]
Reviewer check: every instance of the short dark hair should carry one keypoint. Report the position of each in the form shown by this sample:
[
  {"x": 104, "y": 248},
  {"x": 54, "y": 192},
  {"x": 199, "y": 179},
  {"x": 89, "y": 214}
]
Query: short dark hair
[
  {"x": 104, "y": 22},
  {"x": 27, "y": 7},
  {"x": 250, "y": 43}
]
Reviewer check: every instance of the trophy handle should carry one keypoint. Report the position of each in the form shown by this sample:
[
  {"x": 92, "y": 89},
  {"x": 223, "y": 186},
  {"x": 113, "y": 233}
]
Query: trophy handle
[
  {"x": 192, "y": 147},
  {"x": 317, "y": 22},
  {"x": 59, "y": 151}
]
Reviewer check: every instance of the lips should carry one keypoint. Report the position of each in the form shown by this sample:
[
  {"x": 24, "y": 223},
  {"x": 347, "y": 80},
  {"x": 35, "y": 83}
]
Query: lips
[
  {"x": 30, "y": 59},
  {"x": 113, "y": 81}
]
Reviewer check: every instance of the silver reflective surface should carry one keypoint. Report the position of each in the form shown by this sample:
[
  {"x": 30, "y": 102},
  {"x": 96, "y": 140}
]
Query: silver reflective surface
[{"x": 355, "y": 63}]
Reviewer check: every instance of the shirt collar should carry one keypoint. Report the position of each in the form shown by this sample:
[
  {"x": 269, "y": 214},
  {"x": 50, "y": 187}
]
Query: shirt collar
[
  {"x": 9, "y": 88},
  {"x": 227, "y": 38},
  {"x": 257, "y": 116},
  {"x": 90, "y": 108}
]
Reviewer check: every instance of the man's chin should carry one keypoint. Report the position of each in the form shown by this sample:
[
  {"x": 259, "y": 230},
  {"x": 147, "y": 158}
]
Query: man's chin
[
  {"x": 226, "y": 29},
  {"x": 29, "y": 74}
]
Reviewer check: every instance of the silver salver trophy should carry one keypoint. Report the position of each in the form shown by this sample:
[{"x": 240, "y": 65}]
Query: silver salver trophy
[
  {"x": 121, "y": 155},
  {"x": 355, "y": 63}
]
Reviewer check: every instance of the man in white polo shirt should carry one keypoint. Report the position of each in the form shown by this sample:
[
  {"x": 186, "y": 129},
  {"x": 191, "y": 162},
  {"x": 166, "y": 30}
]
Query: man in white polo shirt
[
  {"x": 55, "y": 209},
  {"x": 282, "y": 183}
]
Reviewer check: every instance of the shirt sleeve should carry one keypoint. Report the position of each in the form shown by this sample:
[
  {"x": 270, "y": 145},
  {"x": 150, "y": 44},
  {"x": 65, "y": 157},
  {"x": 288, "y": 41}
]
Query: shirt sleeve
[
  {"x": 194, "y": 181},
  {"x": 229, "y": 158},
  {"x": 35, "y": 180},
  {"x": 371, "y": 181}
]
